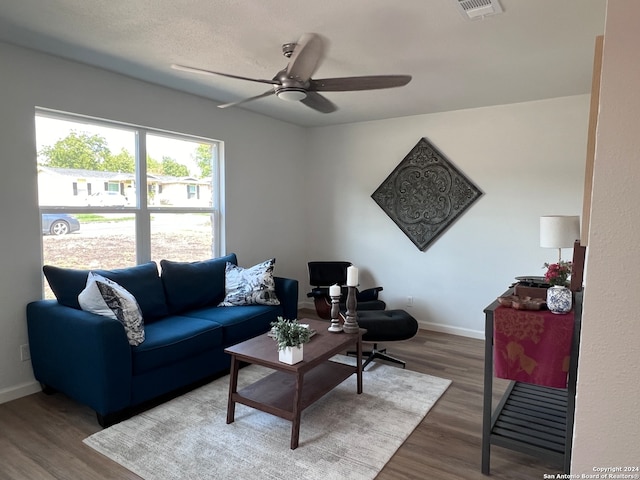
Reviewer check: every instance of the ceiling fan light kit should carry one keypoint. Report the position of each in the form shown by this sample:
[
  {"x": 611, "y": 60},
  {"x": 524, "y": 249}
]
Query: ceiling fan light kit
[
  {"x": 294, "y": 83},
  {"x": 292, "y": 94}
]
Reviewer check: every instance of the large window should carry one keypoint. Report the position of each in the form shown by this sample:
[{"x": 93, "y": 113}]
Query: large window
[{"x": 114, "y": 195}]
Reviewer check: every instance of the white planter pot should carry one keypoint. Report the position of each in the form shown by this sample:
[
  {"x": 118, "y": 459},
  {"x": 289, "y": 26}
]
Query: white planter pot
[
  {"x": 559, "y": 299},
  {"x": 291, "y": 355}
]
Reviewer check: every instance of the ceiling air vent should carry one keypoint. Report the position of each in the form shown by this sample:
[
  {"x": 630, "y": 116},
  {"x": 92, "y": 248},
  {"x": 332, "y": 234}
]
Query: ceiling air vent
[{"x": 474, "y": 9}]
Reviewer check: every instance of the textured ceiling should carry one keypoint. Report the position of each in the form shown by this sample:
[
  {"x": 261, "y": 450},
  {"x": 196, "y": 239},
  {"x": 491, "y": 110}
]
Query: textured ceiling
[{"x": 536, "y": 49}]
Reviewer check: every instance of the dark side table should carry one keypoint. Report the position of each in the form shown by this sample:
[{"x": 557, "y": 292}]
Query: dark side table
[{"x": 532, "y": 419}]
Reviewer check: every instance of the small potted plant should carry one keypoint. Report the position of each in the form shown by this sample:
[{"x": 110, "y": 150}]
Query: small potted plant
[{"x": 291, "y": 336}]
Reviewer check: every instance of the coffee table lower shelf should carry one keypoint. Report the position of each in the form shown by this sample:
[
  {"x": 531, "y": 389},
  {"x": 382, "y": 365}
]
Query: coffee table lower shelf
[{"x": 276, "y": 393}]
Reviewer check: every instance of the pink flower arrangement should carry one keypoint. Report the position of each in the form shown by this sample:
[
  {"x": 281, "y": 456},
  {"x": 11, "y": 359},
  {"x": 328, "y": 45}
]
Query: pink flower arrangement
[{"x": 558, "y": 273}]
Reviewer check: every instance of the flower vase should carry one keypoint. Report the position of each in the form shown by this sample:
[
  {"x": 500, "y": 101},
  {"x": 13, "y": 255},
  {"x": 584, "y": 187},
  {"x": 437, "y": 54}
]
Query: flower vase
[
  {"x": 559, "y": 299},
  {"x": 290, "y": 355}
]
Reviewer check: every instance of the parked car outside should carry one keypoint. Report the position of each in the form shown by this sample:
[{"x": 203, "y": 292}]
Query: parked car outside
[
  {"x": 107, "y": 199},
  {"x": 59, "y": 224}
]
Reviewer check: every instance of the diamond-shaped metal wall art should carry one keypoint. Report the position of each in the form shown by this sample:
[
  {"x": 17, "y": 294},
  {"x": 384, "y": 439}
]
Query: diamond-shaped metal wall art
[{"x": 425, "y": 194}]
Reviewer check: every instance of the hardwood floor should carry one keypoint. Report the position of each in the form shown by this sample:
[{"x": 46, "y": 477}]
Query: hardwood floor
[{"x": 41, "y": 435}]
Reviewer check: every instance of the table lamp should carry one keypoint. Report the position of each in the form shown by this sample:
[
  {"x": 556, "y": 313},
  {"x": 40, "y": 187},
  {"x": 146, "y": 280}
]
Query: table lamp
[{"x": 559, "y": 231}]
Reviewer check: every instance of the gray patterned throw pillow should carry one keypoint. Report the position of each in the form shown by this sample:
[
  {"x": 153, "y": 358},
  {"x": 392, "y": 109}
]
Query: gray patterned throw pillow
[
  {"x": 103, "y": 296},
  {"x": 250, "y": 286}
]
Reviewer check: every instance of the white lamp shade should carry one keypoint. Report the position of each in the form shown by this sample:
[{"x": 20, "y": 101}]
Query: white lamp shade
[{"x": 559, "y": 231}]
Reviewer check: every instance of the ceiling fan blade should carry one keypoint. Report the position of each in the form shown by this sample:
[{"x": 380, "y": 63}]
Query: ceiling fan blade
[
  {"x": 319, "y": 103},
  {"x": 184, "y": 68},
  {"x": 306, "y": 57},
  {"x": 347, "y": 84},
  {"x": 233, "y": 104}
]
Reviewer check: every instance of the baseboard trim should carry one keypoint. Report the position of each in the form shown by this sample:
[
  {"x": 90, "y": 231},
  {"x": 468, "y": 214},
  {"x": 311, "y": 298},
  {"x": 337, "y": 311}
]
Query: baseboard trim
[
  {"x": 434, "y": 327},
  {"x": 306, "y": 305},
  {"x": 19, "y": 391},
  {"x": 461, "y": 332}
]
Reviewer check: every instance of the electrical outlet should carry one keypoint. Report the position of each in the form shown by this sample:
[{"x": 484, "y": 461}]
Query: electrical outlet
[
  {"x": 409, "y": 301},
  {"x": 25, "y": 354}
]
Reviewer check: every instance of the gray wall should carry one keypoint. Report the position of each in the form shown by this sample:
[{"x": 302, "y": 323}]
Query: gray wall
[
  {"x": 527, "y": 158},
  {"x": 304, "y": 194},
  {"x": 264, "y": 194}
]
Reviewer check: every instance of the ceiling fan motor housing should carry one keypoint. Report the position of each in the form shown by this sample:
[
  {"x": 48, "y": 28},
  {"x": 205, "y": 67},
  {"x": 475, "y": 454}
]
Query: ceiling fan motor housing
[{"x": 290, "y": 88}]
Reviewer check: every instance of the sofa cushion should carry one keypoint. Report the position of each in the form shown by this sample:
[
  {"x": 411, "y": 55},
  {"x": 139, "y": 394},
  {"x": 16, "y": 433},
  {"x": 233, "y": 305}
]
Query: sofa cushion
[
  {"x": 239, "y": 323},
  {"x": 142, "y": 281},
  {"x": 174, "y": 338},
  {"x": 189, "y": 285},
  {"x": 105, "y": 297},
  {"x": 248, "y": 286}
]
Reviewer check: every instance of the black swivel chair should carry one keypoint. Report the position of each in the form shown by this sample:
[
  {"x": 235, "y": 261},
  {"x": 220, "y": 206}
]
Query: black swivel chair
[
  {"x": 324, "y": 274},
  {"x": 382, "y": 325}
]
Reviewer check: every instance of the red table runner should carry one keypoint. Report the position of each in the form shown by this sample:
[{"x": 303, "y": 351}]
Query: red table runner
[{"x": 532, "y": 346}]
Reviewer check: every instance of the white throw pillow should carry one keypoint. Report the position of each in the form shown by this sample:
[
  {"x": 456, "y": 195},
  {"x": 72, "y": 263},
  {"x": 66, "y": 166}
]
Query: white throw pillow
[
  {"x": 105, "y": 297},
  {"x": 250, "y": 286}
]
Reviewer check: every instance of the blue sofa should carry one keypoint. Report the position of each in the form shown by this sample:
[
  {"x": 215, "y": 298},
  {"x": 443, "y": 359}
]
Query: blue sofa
[{"x": 88, "y": 356}]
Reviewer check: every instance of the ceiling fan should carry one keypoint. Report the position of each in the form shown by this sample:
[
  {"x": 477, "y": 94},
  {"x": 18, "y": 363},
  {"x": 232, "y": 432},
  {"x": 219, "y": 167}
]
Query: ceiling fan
[{"x": 294, "y": 82}]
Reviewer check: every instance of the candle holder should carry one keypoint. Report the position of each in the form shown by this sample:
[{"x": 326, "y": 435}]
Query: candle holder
[
  {"x": 351, "y": 322},
  {"x": 335, "y": 314}
]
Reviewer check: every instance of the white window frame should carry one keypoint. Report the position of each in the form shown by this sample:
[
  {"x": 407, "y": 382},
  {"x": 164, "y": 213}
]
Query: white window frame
[{"x": 141, "y": 211}]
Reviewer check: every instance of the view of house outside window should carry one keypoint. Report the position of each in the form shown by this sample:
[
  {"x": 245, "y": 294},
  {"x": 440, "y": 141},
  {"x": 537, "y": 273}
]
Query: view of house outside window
[{"x": 104, "y": 208}]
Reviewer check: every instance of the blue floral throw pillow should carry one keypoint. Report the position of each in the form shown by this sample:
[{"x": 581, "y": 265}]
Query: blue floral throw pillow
[{"x": 250, "y": 286}]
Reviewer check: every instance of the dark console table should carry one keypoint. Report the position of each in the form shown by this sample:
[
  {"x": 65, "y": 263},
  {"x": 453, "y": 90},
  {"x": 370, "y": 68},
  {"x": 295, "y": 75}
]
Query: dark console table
[{"x": 532, "y": 419}]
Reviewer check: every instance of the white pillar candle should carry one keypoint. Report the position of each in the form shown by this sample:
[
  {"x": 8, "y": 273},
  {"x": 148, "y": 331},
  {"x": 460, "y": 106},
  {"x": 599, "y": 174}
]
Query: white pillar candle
[
  {"x": 352, "y": 276},
  {"x": 334, "y": 290}
]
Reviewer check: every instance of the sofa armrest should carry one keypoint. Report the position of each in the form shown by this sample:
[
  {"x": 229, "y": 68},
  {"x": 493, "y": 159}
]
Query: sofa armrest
[
  {"x": 287, "y": 293},
  {"x": 83, "y": 355}
]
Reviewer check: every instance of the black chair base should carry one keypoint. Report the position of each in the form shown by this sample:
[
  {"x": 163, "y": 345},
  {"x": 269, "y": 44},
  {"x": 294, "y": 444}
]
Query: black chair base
[{"x": 380, "y": 354}]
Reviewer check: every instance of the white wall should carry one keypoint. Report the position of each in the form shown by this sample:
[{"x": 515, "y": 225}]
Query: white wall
[
  {"x": 608, "y": 402},
  {"x": 263, "y": 172},
  {"x": 527, "y": 158}
]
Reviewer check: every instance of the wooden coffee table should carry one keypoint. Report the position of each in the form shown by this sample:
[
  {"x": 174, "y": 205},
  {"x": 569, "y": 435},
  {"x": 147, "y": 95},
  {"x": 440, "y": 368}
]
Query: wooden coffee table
[{"x": 292, "y": 388}]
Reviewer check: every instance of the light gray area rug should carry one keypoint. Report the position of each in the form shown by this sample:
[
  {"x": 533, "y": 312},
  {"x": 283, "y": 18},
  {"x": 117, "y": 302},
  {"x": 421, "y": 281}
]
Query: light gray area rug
[{"x": 342, "y": 436}]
